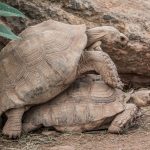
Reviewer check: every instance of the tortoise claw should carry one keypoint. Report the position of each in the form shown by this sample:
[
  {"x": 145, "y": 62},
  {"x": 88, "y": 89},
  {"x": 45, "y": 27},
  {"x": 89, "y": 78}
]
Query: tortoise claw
[{"x": 12, "y": 131}]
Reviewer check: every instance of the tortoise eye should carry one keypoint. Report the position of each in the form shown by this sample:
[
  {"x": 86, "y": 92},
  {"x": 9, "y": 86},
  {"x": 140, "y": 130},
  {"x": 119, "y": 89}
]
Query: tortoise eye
[
  {"x": 146, "y": 97},
  {"x": 122, "y": 38}
]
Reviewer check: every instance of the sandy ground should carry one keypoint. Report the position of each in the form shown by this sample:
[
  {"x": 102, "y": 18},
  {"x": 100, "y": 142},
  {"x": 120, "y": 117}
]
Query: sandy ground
[{"x": 137, "y": 138}]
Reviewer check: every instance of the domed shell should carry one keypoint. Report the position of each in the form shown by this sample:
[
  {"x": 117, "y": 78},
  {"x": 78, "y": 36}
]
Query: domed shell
[
  {"x": 33, "y": 69},
  {"x": 89, "y": 99},
  {"x": 91, "y": 88},
  {"x": 86, "y": 105}
]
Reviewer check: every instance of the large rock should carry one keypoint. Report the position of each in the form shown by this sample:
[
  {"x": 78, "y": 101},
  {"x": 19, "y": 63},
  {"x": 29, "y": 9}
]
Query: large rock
[{"x": 129, "y": 16}]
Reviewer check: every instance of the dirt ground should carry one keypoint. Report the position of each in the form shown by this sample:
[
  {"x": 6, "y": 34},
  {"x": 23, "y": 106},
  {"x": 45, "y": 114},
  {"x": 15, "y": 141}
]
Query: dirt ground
[{"x": 137, "y": 138}]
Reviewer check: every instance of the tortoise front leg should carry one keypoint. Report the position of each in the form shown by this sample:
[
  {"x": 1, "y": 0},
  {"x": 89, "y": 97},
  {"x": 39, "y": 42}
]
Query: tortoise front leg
[
  {"x": 124, "y": 119},
  {"x": 13, "y": 125},
  {"x": 97, "y": 60}
]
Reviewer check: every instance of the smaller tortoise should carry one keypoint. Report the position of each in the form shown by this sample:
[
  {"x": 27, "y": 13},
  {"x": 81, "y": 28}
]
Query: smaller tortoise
[
  {"x": 48, "y": 58},
  {"x": 88, "y": 104}
]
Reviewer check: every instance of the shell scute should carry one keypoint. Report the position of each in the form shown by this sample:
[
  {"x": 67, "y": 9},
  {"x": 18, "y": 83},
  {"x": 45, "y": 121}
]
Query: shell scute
[{"x": 40, "y": 61}]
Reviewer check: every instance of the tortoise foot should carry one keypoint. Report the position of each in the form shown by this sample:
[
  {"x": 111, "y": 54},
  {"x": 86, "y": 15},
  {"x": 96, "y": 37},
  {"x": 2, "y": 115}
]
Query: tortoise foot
[
  {"x": 12, "y": 130},
  {"x": 123, "y": 120},
  {"x": 115, "y": 129},
  {"x": 13, "y": 125}
]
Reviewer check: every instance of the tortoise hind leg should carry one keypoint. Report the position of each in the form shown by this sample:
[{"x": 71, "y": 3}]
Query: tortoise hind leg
[
  {"x": 123, "y": 119},
  {"x": 28, "y": 127},
  {"x": 13, "y": 125}
]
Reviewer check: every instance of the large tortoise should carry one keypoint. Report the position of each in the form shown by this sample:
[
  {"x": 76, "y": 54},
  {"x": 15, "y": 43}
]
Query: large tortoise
[
  {"x": 48, "y": 58},
  {"x": 88, "y": 104}
]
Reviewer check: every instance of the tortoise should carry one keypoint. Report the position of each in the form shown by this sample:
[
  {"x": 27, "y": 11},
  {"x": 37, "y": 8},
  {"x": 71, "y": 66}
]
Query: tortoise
[
  {"x": 88, "y": 104},
  {"x": 46, "y": 60}
]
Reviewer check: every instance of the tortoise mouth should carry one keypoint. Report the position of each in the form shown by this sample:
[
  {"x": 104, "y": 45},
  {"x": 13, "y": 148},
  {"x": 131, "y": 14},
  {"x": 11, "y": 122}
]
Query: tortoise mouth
[
  {"x": 121, "y": 45},
  {"x": 114, "y": 45}
]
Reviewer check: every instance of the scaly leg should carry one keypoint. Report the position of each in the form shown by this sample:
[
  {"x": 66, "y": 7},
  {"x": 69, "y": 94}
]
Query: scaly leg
[
  {"x": 36, "y": 117},
  {"x": 27, "y": 127},
  {"x": 122, "y": 120},
  {"x": 13, "y": 125},
  {"x": 99, "y": 61}
]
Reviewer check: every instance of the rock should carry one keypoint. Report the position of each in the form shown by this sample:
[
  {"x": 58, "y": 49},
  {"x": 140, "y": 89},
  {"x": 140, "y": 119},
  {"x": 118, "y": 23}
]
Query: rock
[{"x": 133, "y": 62}]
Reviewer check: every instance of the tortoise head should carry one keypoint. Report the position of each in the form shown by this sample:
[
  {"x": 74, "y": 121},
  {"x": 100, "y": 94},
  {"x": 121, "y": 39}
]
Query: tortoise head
[
  {"x": 141, "y": 97},
  {"x": 108, "y": 35}
]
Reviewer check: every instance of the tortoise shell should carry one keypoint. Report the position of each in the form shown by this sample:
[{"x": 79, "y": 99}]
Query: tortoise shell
[
  {"x": 35, "y": 68},
  {"x": 88, "y": 100}
]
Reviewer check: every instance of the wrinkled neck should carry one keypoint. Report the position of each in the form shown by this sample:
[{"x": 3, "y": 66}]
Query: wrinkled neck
[{"x": 94, "y": 35}]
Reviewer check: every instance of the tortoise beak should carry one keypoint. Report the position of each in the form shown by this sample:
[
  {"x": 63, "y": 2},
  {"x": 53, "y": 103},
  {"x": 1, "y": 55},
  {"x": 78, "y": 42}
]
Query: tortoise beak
[{"x": 141, "y": 98}]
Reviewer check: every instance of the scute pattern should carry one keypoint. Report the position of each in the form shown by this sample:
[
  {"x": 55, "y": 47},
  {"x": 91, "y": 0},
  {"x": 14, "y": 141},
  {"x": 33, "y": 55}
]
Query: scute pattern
[
  {"x": 89, "y": 90},
  {"x": 78, "y": 106},
  {"x": 35, "y": 66}
]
